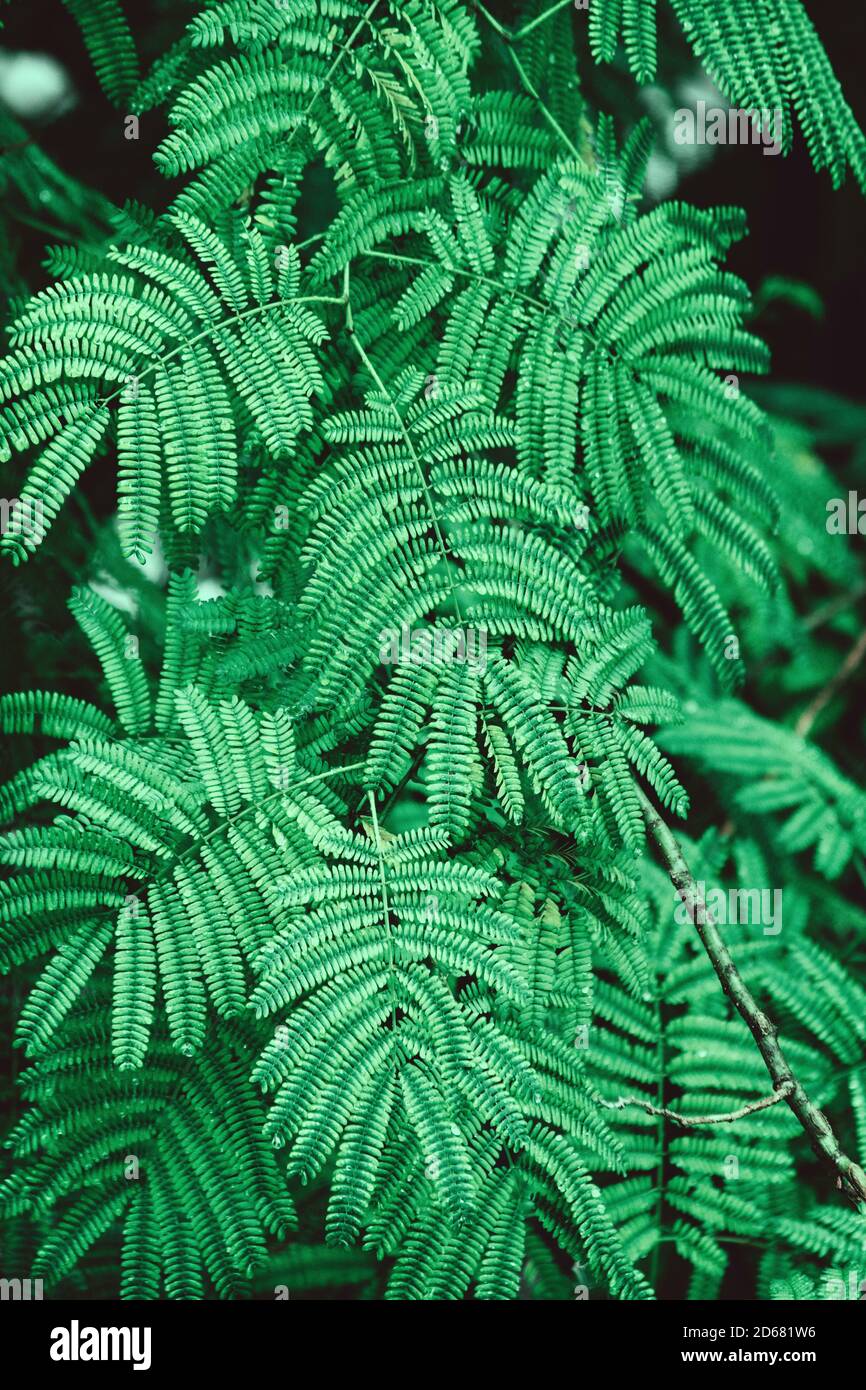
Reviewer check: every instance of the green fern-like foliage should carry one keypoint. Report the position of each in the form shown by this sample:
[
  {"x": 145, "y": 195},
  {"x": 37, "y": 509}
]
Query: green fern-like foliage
[
  {"x": 169, "y": 345},
  {"x": 764, "y": 56},
  {"x": 261, "y": 89},
  {"x": 110, "y": 43},
  {"x": 569, "y": 321},
  {"x": 449, "y": 521}
]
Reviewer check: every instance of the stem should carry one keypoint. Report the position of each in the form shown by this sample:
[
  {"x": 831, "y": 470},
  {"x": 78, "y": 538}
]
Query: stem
[
  {"x": 850, "y": 1177},
  {"x": 422, "y": 477},
  {"x": 386, "y": 912},
  {"x": 832, "y": 607},
  {"x": 510, "y": 38},
  {"x": 518, "y": 34},
  {"x": 548, "y": 115},
  {"x": 256, "y": 806},
  {"x": 660, "y": 1136},
  {"x": 540, "y": 19},
  {"x": 493, "y": 22},
  {"x": 223, "y": 826},
  {"x": 213, "y": 329},
  {"x": 325, "y": 82},
  {"x": 824, "y": 696},
  {"x": 689, "y": 1121},
  {"x": 502, "y": 289},
  {"x": 410, "y": 445}
]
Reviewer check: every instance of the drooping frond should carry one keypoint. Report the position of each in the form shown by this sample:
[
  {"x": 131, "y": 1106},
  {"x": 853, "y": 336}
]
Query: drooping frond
[
  {"x": 602, "y": 315},
  {"x": 186, "y": 345},
  {"x": 259, "y": 90},
  {"x": 766, "y": 57},
  {"x": 172, "y": 1154},
  {"x": 109, "y": 41}
]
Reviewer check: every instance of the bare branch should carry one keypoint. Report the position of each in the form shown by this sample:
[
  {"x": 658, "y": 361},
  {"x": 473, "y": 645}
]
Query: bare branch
[
  {"x": 850, "y": 1177},
  {"x": 693, "y": 1121},
  {"x": 824, "y": 696}
]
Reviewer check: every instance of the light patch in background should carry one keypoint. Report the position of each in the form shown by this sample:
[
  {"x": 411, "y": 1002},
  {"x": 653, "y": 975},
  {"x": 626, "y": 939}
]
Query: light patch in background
[
  {"x": 155, "y": 570},
  {"x": 670, "y": 161},
  {"x": 34, "y": 85}
]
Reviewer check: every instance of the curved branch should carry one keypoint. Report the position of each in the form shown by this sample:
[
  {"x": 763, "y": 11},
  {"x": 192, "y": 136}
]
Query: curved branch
[
  {"x": 850, "y": 1177},
  {"x": 824, "y": 696},
  {"x": 692, "y": 1121}
]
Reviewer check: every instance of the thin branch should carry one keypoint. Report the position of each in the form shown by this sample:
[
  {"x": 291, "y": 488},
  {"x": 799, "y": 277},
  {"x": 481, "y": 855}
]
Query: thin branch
[
  {"x": 510, "y": 38},
  {"x": 539, "y": 19},
  {"x": 545, "y": 111},
  {"x": 493, "y": 22},
  {"x": 661, "y": 1136},
  {"x": 850, "y": 1177},
  {"x": 413, "y": 452},
  {"x": 824, "y": 696},
  {"x": 386, "y": 910},
  {"x": 833, "y": 607},
  {"x": 690, "y": 1121}
]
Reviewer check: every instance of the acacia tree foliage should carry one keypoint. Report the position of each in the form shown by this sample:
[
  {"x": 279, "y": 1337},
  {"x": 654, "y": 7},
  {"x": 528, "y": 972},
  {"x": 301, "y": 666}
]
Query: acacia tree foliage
[{"x": 448, "y": 529}]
